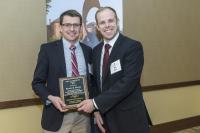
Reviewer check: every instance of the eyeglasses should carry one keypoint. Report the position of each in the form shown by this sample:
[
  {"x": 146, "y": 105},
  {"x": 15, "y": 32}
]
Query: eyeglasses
[{"x": 68, "y": 25}]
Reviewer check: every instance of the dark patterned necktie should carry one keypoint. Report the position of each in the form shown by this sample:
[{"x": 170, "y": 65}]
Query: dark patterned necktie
[
  {"x": 75, "y": 72},
  {"x": 105, "y": 61}
]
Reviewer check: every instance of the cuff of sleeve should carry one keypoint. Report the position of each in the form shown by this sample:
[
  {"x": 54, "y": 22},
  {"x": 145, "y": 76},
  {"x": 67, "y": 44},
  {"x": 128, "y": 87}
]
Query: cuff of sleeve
[
  {"x": 95, "y": 105},
  {"x": 48, "y": 102}
]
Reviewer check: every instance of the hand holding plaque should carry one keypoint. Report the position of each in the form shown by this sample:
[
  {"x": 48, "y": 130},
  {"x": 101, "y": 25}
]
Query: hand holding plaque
[{"x": 73, "y": 90}]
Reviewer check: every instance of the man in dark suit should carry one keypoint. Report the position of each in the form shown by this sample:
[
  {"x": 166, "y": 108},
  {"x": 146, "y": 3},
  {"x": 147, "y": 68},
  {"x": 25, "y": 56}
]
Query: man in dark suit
[
  {"x": 117, "y": 67},
  {"x": 62, "y": 58}
]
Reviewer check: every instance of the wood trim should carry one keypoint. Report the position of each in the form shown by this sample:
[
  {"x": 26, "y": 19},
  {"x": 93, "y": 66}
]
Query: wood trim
[
  {"x": 170, "y": 86},
  {"x": 177, "y": 125},
  {"x": 19, "y": 103}
]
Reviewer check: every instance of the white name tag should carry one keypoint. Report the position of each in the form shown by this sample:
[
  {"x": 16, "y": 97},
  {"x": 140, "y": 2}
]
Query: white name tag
[{"x": 115, "y": 67}]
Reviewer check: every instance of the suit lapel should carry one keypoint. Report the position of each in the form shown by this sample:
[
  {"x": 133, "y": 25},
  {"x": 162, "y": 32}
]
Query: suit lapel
[
  {"x": 86, "y": 57},
  {"x": 115, "y": 50},
  {"x": 61, "y": 58},
  {"x": 98, "y": 65}
]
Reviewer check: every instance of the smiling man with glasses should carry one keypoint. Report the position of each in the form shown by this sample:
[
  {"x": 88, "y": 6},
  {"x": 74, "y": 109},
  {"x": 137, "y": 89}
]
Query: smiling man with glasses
[{"x": 66, "y": 57}]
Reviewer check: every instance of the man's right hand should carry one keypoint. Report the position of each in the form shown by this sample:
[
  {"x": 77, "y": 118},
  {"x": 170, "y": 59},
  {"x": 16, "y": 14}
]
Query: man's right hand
[
  {"x": 99, "y": 121},
  {"x": 58, "y": 103}
]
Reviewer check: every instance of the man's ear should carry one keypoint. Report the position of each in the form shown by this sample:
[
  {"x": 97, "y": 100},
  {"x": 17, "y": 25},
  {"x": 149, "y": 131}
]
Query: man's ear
[
  {"x": 60, "y": 28},
  {"x": 97, "y": 27},
  {"x": 118, "y": 22},
  {"x": 81, "y": 28}
]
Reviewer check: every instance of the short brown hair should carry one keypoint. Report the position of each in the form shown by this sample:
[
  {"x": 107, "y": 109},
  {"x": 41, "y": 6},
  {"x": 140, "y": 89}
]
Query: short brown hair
[{"x": 71, "y": 13}]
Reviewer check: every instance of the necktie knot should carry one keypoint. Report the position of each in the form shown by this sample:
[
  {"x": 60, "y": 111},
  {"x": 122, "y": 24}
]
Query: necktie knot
[
  {"x": 107, "y": 47},
  {"x": 72, "y": 47}
]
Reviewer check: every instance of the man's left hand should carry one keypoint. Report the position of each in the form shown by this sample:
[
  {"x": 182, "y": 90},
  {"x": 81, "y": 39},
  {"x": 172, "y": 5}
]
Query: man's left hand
[{"x": 86, "y": 106}]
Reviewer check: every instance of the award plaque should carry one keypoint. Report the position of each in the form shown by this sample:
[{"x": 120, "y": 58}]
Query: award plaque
[{"x": 73, "y": 90}]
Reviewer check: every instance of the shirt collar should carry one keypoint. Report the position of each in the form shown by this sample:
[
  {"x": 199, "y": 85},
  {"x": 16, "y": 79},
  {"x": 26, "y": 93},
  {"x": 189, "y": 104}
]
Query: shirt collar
[
  {"x": 68, "y": 44},
  {"x": 112, "y": 41}
]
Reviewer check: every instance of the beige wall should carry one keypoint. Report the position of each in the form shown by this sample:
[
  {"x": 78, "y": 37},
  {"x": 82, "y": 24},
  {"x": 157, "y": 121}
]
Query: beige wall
[
  {"x": 22, "y": 31},
  {"x": 21, "y": 120},
  {"x": 173, "y": 104},
  {"x": 169, "y": 31}
]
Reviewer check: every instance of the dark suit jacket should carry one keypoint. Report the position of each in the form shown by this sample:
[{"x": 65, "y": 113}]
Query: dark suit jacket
[
  {"x": 121, "y": 102},
  {"x": 50, "y": 67}
]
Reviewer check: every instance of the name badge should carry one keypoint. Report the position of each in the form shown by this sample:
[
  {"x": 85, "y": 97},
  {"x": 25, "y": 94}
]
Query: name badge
[{"x": 115, "y": 67}]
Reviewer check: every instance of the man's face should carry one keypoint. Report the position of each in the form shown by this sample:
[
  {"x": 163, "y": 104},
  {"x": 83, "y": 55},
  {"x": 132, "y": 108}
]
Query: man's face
[
  {"x": 107, "y": 24},
  {"x": 71, "y": 28}
]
